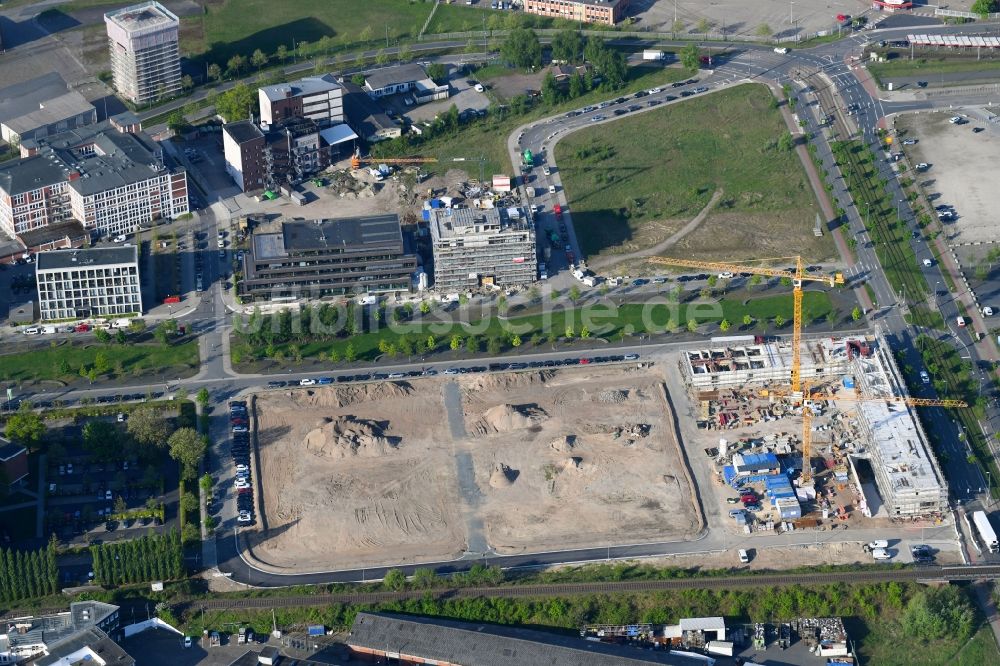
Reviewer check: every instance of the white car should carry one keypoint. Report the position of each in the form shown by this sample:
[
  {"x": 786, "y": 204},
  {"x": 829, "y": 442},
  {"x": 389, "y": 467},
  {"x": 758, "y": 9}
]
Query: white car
[
  {"x": 546, "y": 170},
  {"x": 923, "y": 165},
  {"x": 241, "y": 483},
  {"x": 119, "y": 239},
  {"x": 244, "y": 517},
  {"x": 955, "y": 120},
  {"x": 726, "y": 275},
  {"x": 32, "y": 330},
  {"x": 960, "y": 321},
  {"x": 928, "y": 263},
  {"x": 909, "y": 142},
  {"x": 187, "y": 641},
  {"x": 241, "y": 468},
  {"x": 653, "y": 91},
  {"x": 307, "y": 382},
  {"x": 479, "y": 87},
  {"x": 987, "y": 311},
  {"x": 221, "y": 243},
  {"x": 924, "y": 377}
]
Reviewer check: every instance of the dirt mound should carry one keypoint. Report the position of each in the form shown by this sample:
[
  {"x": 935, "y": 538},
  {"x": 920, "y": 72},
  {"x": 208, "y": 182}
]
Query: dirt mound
[
  {"x": 345, "y": 396},
  {"x": 504, "y": 418},
  {"x": 347, "y": 436},
  {"x": 503, "y": 476},
  {"x": 563, "y": 444},
  {"x": 508, "y": 380},
  {"x": 572, "y": 464},
  {"x": 615, "y": 397}
]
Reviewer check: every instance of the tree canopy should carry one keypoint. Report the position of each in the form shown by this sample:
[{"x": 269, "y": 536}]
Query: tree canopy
[
  {"x": 102, "y": 439},
  {"x": 148, "y": 426},
  {"x": 26, "y": 427},
  {"x": 522, "y": 49},
  {"x": 237, "y": 103},
  {"x": 939, "y": 612},
  {"x": 567, "y": 46},
  {"x": 187, "y": 447}
]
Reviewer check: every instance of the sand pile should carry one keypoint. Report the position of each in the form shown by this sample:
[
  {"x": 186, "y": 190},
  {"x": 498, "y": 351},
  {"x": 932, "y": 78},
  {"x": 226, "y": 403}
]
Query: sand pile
[
  {"x": 615, "y": 397},
  {"x": 345, "y": 396},
  {"x": 504, "y": 418},
  {"x": 563, "y": 444},
  {"x": 502, "y": 476},
  {"x": 508, "y": 380},
  {"x": 572, "y": 464},
  {"x": 347, "y": 436}
]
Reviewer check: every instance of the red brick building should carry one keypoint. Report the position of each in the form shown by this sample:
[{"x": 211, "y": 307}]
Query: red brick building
[
  {"x": 608, "y": 12},
  {"x": 13, "y": 462}
]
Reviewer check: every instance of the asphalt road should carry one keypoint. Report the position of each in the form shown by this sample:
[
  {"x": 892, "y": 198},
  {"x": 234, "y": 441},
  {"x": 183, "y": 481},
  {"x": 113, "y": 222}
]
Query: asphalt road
[{"x": 210, "y": 318}]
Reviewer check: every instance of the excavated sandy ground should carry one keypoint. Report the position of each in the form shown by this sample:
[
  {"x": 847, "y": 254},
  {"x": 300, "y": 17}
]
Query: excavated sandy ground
[
  {"x": 552, "y": 472},
  {"x": 369, "y": 475},
  {"x": 356, "y": 476}
]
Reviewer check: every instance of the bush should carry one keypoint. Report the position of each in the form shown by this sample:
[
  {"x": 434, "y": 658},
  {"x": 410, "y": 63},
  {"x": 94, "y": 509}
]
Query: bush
[{"x": 943, "y": 612}]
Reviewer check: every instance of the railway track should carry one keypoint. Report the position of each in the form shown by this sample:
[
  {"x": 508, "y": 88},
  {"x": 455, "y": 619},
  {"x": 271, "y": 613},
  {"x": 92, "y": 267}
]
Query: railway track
[{"x": 612, "y": 587}]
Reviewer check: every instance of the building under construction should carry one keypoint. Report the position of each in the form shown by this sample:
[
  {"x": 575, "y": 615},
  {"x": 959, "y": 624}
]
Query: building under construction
[
  {"x": 482, "y": 248},
  {"x": 888, "y": 435}
]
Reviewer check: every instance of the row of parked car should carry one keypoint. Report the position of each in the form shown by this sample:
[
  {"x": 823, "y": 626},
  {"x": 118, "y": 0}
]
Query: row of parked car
[
  {"x": 430, "y": 372},
  {"x": 239, "y": 420}
]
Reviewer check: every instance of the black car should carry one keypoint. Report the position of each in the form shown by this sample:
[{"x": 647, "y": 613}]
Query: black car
[
  {"x": 344, "y": 378},
  {"x": 238, "y": 403},
  {"x": 641, "y": 93},
  {"x": 619, "y": 100},
  {"x": 686, "y": 93},
  {"x": 653, "y": 102},
  {"x": 276, "y": 385},
  {"x": 690, "y": 81},
  {"x": 620, "y": 112},
  {"x": 362, "y": 378},
  {"x": 676, "y": 84},
  {"x": 670, "y": 98},
  {"x": 381, "y": 375},
  {"x": 634, "y": 107}
]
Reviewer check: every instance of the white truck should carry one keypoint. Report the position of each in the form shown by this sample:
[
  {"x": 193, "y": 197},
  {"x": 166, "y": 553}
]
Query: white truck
[
  {"x": 986, "y": 533},
  {"x": 652, "y": 54},
  {"x": 876, "y": 545}
]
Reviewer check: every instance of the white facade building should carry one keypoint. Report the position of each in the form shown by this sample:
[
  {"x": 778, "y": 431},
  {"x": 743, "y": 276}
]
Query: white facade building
[{"x": 95, "y": 282}]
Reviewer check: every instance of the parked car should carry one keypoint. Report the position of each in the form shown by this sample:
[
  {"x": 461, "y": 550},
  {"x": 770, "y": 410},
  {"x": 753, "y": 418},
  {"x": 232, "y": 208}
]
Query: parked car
[{"x": 307, "y": 382}]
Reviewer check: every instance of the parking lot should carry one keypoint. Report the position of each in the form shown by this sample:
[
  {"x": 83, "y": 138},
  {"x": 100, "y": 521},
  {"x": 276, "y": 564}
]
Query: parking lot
[{"x": 463, "y": 96}]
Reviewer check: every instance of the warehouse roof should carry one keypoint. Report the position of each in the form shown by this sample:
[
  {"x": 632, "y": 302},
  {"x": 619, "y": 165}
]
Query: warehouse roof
[
  {"x": 51, "y": 111},
  {"x": 391, "y": 76},
  {"x": 95, "y": 256},
  {"x": 22, "y": 98},
  {"x": 491, "y": 645},
  {"x": 91, "y": 646}
]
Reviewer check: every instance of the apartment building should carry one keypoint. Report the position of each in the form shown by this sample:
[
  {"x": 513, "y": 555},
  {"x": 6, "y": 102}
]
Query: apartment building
[
  {"x": 109, "y": 179},
  {"x": 608, "y": 12},
  {"x": 42, "y": 106},
  {"x": 94, "y": 282},
  {"x": 314, "y": 258},
  {"x": 366, "y": 117},
  {"x": 145, "y": 60},
  {"x": 318, "y": 98},
  {"x": 474, "y": 248},
  {"x": 286, "y": 153}
]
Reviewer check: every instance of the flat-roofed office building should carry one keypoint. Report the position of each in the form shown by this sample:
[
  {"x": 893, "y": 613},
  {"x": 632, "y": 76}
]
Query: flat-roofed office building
[
  {"x": 95, "y": 282},
  {"x": 313, "y": 258}
]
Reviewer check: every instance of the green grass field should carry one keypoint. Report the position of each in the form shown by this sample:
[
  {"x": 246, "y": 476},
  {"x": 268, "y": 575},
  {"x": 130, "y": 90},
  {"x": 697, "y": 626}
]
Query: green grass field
[
  {"x": 634, "y": 182},
  {"x": 240, "y": 26},
  {"x": 136, "y": 360}
]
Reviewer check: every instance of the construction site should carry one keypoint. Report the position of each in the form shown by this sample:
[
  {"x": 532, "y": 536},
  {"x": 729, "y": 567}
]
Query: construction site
[
  {"x": 396, "y": 472},
  {"x": 847, "y": 449}
]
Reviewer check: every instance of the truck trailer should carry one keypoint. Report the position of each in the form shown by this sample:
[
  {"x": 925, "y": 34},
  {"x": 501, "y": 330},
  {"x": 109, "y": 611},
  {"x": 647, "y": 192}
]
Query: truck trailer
[
  {"x": 650, "y": 54},
  {"x": 985, "y": 530}
]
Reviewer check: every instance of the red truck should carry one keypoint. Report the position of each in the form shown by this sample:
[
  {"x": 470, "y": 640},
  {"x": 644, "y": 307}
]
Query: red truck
[{"x": 557, "y": 209}]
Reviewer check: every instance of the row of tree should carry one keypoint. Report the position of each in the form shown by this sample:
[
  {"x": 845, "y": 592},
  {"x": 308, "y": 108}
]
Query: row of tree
[
  {"x": 523, "y": 50},
  {"x": 25, "y": 574},
  {"x": 148, "y": 558}
]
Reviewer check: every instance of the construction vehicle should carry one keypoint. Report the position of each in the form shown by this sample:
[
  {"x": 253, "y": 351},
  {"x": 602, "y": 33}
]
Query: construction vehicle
[
  {"x": 528, "y": 158},
  {"x": 357, "y": 160}
]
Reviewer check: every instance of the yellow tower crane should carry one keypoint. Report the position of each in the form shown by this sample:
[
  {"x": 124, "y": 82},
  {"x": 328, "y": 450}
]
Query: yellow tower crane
[
  {"x": 798, "y": 277},
  {"x": 357, "y": 160}
]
